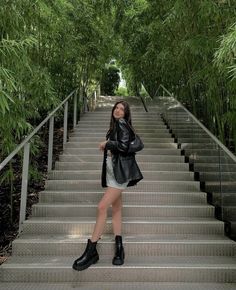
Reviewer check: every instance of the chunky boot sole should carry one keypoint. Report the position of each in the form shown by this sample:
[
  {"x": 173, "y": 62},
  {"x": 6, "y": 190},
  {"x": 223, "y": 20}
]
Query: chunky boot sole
[{"x": 90, "y": 262}]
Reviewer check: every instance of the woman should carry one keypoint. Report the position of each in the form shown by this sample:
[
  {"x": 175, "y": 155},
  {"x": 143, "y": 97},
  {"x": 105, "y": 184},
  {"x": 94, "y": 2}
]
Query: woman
[{"x": 119, "y": 171}]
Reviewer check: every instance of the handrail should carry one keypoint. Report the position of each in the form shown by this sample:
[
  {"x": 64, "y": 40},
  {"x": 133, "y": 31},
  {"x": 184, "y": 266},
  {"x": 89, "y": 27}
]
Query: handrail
[
  {"x": 26, "y": 144},
  {"x": 10, "y": 156},
  {"x": 225, "y": 149},
  {"x": 165, "y": 89}
]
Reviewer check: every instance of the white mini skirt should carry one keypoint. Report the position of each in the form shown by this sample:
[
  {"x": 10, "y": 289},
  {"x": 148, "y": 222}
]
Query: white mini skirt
[{"x": 111, "y": 181}]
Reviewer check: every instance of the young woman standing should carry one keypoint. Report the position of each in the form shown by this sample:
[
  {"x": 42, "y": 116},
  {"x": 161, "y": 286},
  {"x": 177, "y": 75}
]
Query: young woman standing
[{"x": 119, "y": 171}]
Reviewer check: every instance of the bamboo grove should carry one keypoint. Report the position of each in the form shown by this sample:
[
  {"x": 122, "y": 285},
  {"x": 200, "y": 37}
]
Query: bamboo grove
[
  {"x": 47, "y": 48},
  {"x": 189, "y": 46}
]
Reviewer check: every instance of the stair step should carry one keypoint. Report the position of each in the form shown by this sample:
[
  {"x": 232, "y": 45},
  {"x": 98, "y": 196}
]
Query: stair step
[
  {"x": 155, "y": 269},
  {"x": 156, "y": 145},
  {"x": 90, "y": 210},
  {"x": 89, "y": 185},
  {"x": 179, "y": 118},
  {"x": 118, "y": 286},
  {"x": 228, "y": 198},
  {"x": 104, "y": 125},
  {"x": 107, "y": 115},
  {"x": 140, "y": 158},
  {"x": 233, "y": 229},
  {"x": 216, "y": 176},
  {"x": 174, "y": 166},
  {"x": 181, "y": 123},
  {"x": 160, "y": 198},
  {"x": 206, "y": 152},
  {"x": 225, "y": 167},
  {"x": 96, "y": 174},
  {"x": 145, "y": 151},
  {"x": 184, "y": 126},
  {"x": 188, "y": 130},
  {"x": 140, "y": 130},
  {"x": 190, "y": 133},
  {"x": 224, "y": 198},
  {"x": 101, "y": 127},
  {"x": 201, "y": 145},
  {"x": 218, "y": 186},
  {"x": 102, "y": 134},
  {"x": 145, "y": 246},
  {"x": 177, "y": 225},
  {"x": 229, "y": 212},
  {"x": 193, "y": 139},
  {"x": 98, "y": 139},
  {"x": 196, "y": 159}
]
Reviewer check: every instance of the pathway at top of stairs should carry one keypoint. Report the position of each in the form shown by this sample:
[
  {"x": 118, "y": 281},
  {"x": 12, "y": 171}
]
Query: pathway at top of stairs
[{"x": 171, "y": 238}]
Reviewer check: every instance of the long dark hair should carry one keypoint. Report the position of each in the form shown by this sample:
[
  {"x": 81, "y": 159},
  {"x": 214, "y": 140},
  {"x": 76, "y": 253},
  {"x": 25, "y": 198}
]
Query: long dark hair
[{"x": 127, "y": 115}]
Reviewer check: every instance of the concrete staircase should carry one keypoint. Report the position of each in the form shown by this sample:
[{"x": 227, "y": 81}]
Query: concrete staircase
[
  {"x": 171, "y": 238},
  {"x": 215, "y": 170}
]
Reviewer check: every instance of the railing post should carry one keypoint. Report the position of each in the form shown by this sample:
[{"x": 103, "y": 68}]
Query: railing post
[
  {"x": 95, "y": 99},
  {"x": 75, "y": 109},
  {"x": 85, "y": 103},
  {"x": 65, "y": 124},
  {"x": 50, "y": 142},
  {"x": 220, "y": 185},
  {"x": 24, "y": 185}
]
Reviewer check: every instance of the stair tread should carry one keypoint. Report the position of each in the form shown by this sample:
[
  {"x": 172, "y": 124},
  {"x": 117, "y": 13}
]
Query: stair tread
[
  {"x": 221, "y": 182},
  {"x": 125, "y": 220},
  {"x": 148, "y": 238},
  {"x": 41, "y": 251},
  {"x": 130, "y": 262},
  {"x": 141, "y": 162},
  {"x": 86, "y": 204},
  {"x": 118, "y": 286},
  {"x": 144, "y": 182},
  {"x": 99, "y": 171},
  {"x": 125, "y": 192}
]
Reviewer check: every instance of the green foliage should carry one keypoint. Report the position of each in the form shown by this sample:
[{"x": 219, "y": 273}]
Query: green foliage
[
  {"x": 110, "y": 80},
  {"x": 179, "y": 43},
  {"x": 225, "y": 56},
  {"x": 47, "y": 49},
  {"x": 121, "y": 91}
]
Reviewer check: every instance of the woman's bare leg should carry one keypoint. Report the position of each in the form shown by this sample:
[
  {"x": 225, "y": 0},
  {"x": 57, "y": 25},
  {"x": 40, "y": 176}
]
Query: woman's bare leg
[
  {"x": 117, "y": 216},
  {"x": 110, "y": 195}
]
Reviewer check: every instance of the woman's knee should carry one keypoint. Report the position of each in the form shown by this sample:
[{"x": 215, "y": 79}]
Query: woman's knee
[{"x": 102, "y": 207}]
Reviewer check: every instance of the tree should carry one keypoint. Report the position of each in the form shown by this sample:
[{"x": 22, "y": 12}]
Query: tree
[
  {"x": 47, "y": 49},
  {"x": 174, "y": 43},
  {"x": 110, "y": 80}
]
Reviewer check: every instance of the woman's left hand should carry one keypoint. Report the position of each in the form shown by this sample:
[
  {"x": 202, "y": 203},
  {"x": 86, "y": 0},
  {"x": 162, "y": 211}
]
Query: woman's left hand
[{"x": 102, "y": 145}]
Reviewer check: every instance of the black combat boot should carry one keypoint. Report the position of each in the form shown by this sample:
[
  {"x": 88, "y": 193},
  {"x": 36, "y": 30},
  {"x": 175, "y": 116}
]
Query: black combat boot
[
  {"x": 120, "y": 254},
  {"x": 89, "y": 257}
]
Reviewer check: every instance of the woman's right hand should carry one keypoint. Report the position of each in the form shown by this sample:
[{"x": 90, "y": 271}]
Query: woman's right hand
[{"x": 102, "y": 145}]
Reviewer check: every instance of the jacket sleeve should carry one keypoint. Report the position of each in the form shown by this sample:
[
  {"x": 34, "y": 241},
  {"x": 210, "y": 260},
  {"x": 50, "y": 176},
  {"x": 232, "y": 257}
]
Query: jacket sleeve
[{"x": 123, "y": 138}]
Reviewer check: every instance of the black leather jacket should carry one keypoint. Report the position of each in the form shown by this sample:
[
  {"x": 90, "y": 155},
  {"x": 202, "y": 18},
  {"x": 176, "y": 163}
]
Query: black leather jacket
[{"x": 125, "y": 166}]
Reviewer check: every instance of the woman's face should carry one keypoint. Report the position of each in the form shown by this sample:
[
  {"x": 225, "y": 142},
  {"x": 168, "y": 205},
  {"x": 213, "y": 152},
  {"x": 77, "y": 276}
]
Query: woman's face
[{"x": 119, "y": 111}]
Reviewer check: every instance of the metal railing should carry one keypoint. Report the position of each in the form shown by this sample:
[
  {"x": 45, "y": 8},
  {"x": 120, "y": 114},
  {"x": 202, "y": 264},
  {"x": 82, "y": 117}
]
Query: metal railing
[
  {"x": 213, "y": 163},
  {"x": 213, "y": 137},
  {"x": 26, "y": 143}
]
